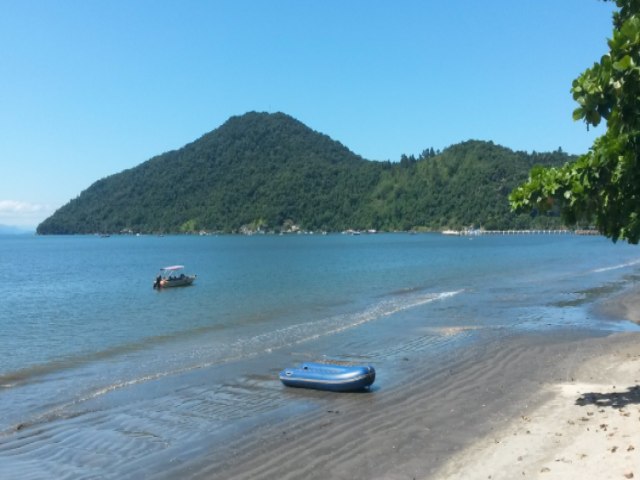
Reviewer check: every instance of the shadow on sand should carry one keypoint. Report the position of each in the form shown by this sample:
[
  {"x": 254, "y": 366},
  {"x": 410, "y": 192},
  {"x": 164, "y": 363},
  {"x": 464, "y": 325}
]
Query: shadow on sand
[{"x": 613, "y": 399}]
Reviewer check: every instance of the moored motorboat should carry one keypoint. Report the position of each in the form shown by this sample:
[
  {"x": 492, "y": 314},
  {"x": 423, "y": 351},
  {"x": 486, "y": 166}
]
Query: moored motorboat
[
  {"x": 329, "y": 376},
  {"x": 173, "y": 277}
]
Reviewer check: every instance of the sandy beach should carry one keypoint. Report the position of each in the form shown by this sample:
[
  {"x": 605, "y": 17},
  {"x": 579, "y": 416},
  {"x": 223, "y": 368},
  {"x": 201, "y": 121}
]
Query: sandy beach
[
  {"x": 549, "y": 405},
  {"x": 588, "y": 428}
]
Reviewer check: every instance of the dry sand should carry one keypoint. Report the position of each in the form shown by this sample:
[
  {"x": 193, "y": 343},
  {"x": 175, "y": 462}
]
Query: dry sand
[{"x": 588, "y": 429}]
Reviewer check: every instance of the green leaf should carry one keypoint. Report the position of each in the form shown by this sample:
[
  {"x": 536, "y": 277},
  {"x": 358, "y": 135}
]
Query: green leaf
[
  {"x": 623, "y": 64},
  {"x": 578, "y": 113}
]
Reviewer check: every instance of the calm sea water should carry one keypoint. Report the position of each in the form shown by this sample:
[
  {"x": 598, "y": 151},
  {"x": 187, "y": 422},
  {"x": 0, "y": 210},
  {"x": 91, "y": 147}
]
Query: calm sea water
[{"x": 92, "y": 359}]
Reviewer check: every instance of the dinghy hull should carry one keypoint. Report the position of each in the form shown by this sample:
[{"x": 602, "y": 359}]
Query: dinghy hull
[{"x": 331, "y": 377}]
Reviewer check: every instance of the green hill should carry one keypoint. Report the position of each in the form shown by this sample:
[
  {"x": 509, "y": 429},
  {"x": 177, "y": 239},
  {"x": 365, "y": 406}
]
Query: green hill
[{"x": 270, "y": 171}]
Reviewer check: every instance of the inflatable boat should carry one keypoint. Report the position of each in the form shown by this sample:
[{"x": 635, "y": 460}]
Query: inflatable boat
[{"x": 329, "y": 376}]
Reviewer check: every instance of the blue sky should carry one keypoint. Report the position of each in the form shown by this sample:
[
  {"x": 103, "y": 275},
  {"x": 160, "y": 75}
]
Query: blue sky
[{"x": 89, "y": 88}]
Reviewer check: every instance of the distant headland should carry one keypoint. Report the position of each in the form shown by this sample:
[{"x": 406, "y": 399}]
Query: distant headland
[{"x": 269, "y": 172}]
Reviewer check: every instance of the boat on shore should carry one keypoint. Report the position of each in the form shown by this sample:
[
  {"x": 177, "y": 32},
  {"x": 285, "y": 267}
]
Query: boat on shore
[
  {"x": 329, "y": 376},
  {"x": 173, "y": 276}
]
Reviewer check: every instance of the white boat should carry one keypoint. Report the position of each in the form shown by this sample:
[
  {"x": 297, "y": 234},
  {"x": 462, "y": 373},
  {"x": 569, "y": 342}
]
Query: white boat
[{"x": 173, "y": 276}]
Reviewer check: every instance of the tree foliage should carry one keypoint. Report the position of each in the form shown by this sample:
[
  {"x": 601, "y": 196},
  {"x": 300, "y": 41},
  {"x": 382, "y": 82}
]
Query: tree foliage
[
  {"x": 271, "y": 172},
  {"x": 603, "y": 185}
]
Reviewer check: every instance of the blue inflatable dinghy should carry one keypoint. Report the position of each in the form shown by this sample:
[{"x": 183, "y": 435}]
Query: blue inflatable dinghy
[{"x": 329, "y": 376}]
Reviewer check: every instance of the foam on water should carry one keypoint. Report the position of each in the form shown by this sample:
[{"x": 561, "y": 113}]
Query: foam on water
[{"x": 617, "y": 267}]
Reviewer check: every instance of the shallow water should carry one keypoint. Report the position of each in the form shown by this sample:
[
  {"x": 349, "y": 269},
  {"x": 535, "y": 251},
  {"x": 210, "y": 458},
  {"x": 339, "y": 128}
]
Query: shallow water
[{"x": 101, "y": 375}]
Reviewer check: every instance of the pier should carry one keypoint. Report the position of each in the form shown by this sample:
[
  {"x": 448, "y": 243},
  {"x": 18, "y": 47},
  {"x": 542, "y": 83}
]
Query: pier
[
  {"x": 471, "y": 232},
  {"x": 524, "y": 232}
]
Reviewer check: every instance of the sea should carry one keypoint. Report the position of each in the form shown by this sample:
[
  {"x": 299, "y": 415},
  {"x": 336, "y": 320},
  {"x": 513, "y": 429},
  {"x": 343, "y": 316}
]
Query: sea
[{"x": 101, "y": 376}]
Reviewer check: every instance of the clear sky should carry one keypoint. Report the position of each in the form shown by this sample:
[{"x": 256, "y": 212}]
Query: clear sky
[{"x": 89, "y": 88}]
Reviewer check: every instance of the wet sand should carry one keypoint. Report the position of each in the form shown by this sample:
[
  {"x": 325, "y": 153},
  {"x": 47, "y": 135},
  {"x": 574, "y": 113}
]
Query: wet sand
[
  {"x": 588, "y": 428},
  {"x": 547, "y": 406},
  {"x": 561, "y": 404}
]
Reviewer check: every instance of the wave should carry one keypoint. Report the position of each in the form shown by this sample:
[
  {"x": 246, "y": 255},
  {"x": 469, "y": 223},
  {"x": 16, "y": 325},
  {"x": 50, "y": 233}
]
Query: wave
[
  {"x": 308, "y": 331},
  {"x": 617, "y": 267},
  {"x": 296, "y": 334}
]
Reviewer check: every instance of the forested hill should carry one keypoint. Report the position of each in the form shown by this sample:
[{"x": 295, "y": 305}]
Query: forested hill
[{"x": 270, "y": 172}]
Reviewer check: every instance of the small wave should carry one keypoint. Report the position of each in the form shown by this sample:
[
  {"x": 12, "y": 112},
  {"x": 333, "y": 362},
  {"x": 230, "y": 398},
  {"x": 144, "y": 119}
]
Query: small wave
[
  {"x": 617, "y": 267},
  {"x": 304, "y": 332}
]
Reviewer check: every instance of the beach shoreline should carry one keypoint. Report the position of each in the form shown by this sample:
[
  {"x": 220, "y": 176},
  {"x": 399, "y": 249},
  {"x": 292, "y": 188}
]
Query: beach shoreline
[
  {"x": 467, "y": 338},
  {"x": 507, "y": 409},
  {"x": 623, "y": 306},
  {"x": 588, "y": 427}
]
